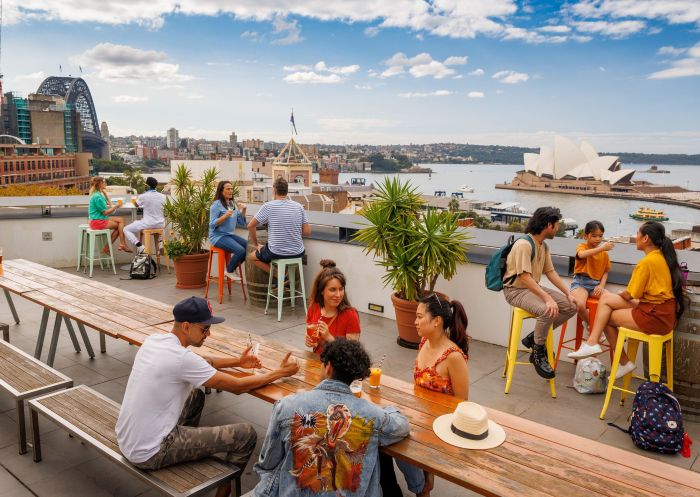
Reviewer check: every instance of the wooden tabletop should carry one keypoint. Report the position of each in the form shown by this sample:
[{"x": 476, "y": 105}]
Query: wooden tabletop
[{"x": 535, "y": 460}]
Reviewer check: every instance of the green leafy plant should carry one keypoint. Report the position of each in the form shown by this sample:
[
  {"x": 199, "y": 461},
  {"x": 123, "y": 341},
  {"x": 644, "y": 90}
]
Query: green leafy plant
[
  {"x": 414, "y": 247},
  {"x": 187, "y": 211}
]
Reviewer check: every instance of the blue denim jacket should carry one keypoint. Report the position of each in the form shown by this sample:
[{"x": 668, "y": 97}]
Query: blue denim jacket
[
  {"x": 227, "y": 227},
  {"x": 326, "y": 442}
]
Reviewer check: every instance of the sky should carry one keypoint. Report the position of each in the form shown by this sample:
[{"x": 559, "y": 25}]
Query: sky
[{"x": 622, "y": 74}]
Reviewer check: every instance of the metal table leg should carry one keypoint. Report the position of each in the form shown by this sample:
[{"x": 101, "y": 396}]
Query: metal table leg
[
  {"x": 71, "y": 333},
  {"x": 103, "y": 343},
  {"x": 54, "y": 339},
  {"x": 86, "y": 339},
  {"x": 12, "y": 305},
  {"x": 42, "y": 333}
]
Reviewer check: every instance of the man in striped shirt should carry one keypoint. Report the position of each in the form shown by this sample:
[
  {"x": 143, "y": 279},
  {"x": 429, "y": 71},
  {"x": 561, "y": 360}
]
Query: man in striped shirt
[{"x": 286, "y": 222}]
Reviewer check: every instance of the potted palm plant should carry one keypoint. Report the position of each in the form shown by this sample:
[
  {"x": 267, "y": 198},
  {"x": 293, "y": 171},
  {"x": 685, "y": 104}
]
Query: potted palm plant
[
  {"x": 187, "y": 215},
  {"x": 414, "y": 247}
]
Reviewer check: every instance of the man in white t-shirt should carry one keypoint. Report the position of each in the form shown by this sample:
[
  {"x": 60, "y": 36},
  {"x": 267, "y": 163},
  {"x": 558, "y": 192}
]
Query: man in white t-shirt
[
  {"x": 157, "y": 424},
  {"x": 152, "y": 202}
]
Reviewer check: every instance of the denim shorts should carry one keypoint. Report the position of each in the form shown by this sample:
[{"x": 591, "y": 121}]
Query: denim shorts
[{"x": 582, "y": 281}]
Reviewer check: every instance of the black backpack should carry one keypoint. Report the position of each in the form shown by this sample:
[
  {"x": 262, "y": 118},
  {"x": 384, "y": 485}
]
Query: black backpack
[{"x": 143, "y": 267}]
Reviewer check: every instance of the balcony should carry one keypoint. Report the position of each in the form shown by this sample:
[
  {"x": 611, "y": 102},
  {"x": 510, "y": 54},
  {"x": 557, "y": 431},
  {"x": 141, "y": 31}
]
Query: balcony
[{"x": 72, "y": 469}]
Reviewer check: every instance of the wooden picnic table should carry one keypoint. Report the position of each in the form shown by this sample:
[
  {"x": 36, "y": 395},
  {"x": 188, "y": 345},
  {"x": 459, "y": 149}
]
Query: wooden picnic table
[
  {"x": 535, "y": 460},
  {"x": 110, "y": 311}
]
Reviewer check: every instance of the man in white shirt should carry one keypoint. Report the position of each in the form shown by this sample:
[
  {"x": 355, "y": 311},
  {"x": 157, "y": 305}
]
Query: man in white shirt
[
  {"x": 157, "y": 424},
  {"x": 152, "y": 202}
]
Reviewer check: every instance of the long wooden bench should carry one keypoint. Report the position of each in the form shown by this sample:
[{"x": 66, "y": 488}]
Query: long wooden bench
[
  {"x": 92, "y": 417},
  {"x": 22, "y": 377}
]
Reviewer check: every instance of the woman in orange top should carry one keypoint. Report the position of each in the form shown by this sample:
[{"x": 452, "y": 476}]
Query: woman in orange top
[
  {"x": 652, "y": 302},
  {"x": 591, "y": 267},
  {"x": 441, "y": 366},
  {"x": 330, "y": 314}
]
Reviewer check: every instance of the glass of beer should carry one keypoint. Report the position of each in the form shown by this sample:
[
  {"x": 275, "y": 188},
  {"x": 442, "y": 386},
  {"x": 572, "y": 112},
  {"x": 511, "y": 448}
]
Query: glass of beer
[
  {"x": 356, "y": 388},
  {"x": 375, "y": 374},
  {"x": 312, "y": 333}
]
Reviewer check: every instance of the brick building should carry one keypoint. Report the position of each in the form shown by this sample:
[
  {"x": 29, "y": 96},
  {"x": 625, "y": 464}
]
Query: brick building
[{"x": 43, "y": 165}]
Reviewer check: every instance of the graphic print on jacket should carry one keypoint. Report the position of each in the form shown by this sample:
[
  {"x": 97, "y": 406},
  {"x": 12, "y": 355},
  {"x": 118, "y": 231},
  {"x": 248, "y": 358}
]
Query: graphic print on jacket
[{"x": 328, "y": 449}]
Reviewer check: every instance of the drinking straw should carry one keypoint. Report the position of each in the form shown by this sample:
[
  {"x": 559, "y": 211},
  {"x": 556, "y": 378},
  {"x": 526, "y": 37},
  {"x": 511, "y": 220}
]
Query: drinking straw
[{"x": 381, "y": 361}]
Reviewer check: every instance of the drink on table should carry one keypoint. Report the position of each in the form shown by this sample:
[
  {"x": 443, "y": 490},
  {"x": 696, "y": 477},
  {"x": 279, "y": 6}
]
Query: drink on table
[
  {"x": 356, "y": 388},
  {"x": 0, "y": 255},
  {"x": 312, "y": 333},
  {"x": 375, "y": 375},
  {"x": 133, "y": 199}
]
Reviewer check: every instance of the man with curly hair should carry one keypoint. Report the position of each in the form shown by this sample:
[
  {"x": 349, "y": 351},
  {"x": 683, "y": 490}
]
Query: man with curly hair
[{"x": 327, "y": 441}]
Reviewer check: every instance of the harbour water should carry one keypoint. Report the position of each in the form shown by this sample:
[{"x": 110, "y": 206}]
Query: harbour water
[{"x": 613, "y": 213}]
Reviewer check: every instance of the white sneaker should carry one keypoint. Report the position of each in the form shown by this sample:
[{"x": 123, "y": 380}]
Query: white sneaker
[
  {"x": 624, "y": 370},
  {"x": 233, "y": 276},
  {"x": 585, "y": 350}
]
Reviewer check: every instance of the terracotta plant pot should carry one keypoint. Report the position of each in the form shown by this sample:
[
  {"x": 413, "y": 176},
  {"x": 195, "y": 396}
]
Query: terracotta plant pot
[
  {"x": 405, "y": 320},
  {"x": 191, "y": 270}
]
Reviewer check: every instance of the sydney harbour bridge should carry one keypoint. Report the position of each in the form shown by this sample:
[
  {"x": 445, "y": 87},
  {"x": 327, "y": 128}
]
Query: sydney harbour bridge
[{"x": 75, "y": 91}]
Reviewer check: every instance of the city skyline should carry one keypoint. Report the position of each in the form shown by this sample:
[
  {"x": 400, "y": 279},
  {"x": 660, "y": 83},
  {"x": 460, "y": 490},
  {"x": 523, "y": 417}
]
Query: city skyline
[{"x": 620, "y": 74}]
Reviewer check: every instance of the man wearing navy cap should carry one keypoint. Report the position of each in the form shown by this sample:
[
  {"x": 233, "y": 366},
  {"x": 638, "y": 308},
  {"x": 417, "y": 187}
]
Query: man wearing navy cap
[{"x": 159, "y": 417}]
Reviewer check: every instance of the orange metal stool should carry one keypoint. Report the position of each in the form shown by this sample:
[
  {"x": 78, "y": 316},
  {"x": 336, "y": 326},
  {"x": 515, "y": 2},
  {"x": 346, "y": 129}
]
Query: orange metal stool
[
  {"x": 592, "y": 306},
  {"x": 223, "y": 258}
]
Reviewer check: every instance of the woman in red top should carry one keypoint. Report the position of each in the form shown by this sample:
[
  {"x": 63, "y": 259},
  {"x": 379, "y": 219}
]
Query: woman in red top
[{"x": 330, "y": 314}]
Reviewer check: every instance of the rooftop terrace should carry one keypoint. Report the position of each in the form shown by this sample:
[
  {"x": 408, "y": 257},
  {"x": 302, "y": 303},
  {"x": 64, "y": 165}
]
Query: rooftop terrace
[{"x": 70, "y": 468}]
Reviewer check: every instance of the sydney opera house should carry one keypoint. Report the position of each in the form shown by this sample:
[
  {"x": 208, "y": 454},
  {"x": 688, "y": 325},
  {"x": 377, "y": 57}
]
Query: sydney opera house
[{"x": 569, "y": 166}]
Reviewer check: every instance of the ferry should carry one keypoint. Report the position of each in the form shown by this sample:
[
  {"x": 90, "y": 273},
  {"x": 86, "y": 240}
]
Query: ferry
[
  {"x": 466, "y": 189},
  {"x": 647, "y": 214}
]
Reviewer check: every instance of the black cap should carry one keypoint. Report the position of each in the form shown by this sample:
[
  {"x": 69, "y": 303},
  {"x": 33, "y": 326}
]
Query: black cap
[
  {"x": 195, "y": 310},
  {"x": 152, "y": 182}
]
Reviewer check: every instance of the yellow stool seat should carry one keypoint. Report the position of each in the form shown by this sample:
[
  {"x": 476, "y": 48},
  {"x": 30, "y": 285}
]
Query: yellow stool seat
[
  {"x": 516, "y": 325},
  {"x": 152, "y": 238},
  {"x": 655, "y": 346}
]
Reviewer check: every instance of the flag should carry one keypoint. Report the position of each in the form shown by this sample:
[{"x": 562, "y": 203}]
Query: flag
[
  {"x": 619, "y": 220},
  {"x": 60, "y": 69},
  {"x": 294, "y": 126},
  {"x": 81, "y": 69}
]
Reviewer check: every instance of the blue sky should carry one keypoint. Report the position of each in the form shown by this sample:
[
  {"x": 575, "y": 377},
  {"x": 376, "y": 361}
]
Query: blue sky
[{"x": 623, "y": 74}]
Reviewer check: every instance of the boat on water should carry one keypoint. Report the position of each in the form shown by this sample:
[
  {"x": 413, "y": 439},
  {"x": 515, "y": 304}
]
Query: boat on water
[
  {"x": 466, "y": 189},
  {"x": 647, "y": 214}
]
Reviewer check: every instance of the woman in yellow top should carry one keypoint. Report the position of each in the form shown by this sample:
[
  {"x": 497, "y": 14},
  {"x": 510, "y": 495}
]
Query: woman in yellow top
[
  {"x": 591, "y": 267},
  {"x": 653, "y": 301}
]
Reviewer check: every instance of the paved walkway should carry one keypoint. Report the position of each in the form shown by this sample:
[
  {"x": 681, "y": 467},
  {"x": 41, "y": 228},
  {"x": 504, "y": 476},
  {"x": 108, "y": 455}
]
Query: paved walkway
[{"x": 71, "y": 469}]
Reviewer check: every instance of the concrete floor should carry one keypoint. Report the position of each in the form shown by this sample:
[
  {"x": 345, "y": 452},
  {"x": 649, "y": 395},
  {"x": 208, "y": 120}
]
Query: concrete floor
[{"x": 69, "y": 468}]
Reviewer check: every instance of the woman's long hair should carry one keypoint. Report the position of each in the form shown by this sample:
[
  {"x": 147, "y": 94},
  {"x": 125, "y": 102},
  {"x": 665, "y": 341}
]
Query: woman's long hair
[
  {"x": 95, "y": 184},
  {"x": 219, "y": 195},
  {"x": 454, "y": 319},
  {"x": 657, "y": 234},
  {"x": 328, "y": 272}
]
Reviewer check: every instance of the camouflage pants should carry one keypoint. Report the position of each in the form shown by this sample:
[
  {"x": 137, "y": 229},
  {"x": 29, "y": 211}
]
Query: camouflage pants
[{"x": 188, "y": 442}]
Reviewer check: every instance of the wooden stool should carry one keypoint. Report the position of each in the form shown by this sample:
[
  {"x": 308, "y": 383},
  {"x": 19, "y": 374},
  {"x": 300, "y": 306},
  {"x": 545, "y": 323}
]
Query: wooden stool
[
  {"x": 82, "y": 245},
  {"x": 155, "y": 234},
  {"x": 223, "y": 258},
  {"x": 592, "y": 306},
  {"x": 516, "y": 325},
  {"x": 92, "y": 236},
  {"x": 296, "y": 264},
  {"x": 655, "y": 344}
]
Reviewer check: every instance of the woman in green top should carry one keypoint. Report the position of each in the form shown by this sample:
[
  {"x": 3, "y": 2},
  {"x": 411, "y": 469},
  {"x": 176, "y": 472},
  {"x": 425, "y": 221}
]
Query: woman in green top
[{"x": 98, "y": 213}]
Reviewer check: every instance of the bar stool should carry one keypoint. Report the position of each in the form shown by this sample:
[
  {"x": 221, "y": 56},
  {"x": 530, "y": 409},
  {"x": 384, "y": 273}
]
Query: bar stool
[
  {"x": 295, "y": 264},
  {"x": 155, "y": 235},
  {"x": 92, "y": 237},
  {"x": 223, "y": 258},
  {"x": 655, "y": 345},
  {"x": 592, "y": 306},
  {"x": 516, "y": 325},
  {"x": 82, "y": 245}
]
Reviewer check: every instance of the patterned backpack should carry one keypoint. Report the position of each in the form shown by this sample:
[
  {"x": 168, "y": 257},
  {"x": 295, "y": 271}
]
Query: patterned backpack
[{"x": 656, "y": 423}]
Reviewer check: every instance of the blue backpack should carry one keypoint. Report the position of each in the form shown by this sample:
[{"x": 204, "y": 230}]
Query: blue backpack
[
  {"x": 656, "y": 423},
  {"x": 496, "y": 268}
]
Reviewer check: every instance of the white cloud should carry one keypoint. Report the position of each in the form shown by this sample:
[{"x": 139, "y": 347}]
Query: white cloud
[
  {"x": 297, "y": 67},
  {"x": 459, "y": 76},
  {"x": 217, "y": 64},
  {"x": 516, "y": 33},
  {"x": 616, "y": 30},
  {"x": 321, "y": 67},
  {"x": 372, "y": 31},
  {"x": 364, "y": 87},
  {"x": 437, "y": 93},
  {"x": 671, "y": 11},
  {"x": 129, "y": 99},
  {"x": 475, "y": 94},
  {"x": 421, "y": 65},
  {"x": 477, "y": 72},
  {"x": 35, "y": 76},
  {"x": 555, "y": 28},
  {"x": 674, "y": 51},
  {"x": 601, "y": 69},
  {"x": 253, "y": 36},
  {"x": 125, "y": 63},
  {"x": 681, "y": 68},
  {"x": 511, "y": 77},
  {"x": 310, "y": 77},
  {"x": 288, "y": 28}
]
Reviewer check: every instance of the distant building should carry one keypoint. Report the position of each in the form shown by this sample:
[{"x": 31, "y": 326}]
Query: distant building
[
  {"x": 292, "y": 164},
  {"x": 172, "y": 139},
  {"x": 104, "y": 131},
  {"x": 233, "y": 140}
]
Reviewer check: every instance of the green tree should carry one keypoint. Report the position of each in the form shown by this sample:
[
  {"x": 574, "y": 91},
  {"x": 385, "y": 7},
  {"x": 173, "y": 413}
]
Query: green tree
[
  {"x": 453, "y": 206},
  {"x": 515, "y": 227}
]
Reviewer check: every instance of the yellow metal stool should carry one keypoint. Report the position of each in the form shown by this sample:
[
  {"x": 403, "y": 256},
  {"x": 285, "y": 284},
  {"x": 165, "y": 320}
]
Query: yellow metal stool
[
  {"x": 152, "y": 237},
  {"x": 655, "y": 345},
  {"x": 516, "y": 325}
]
